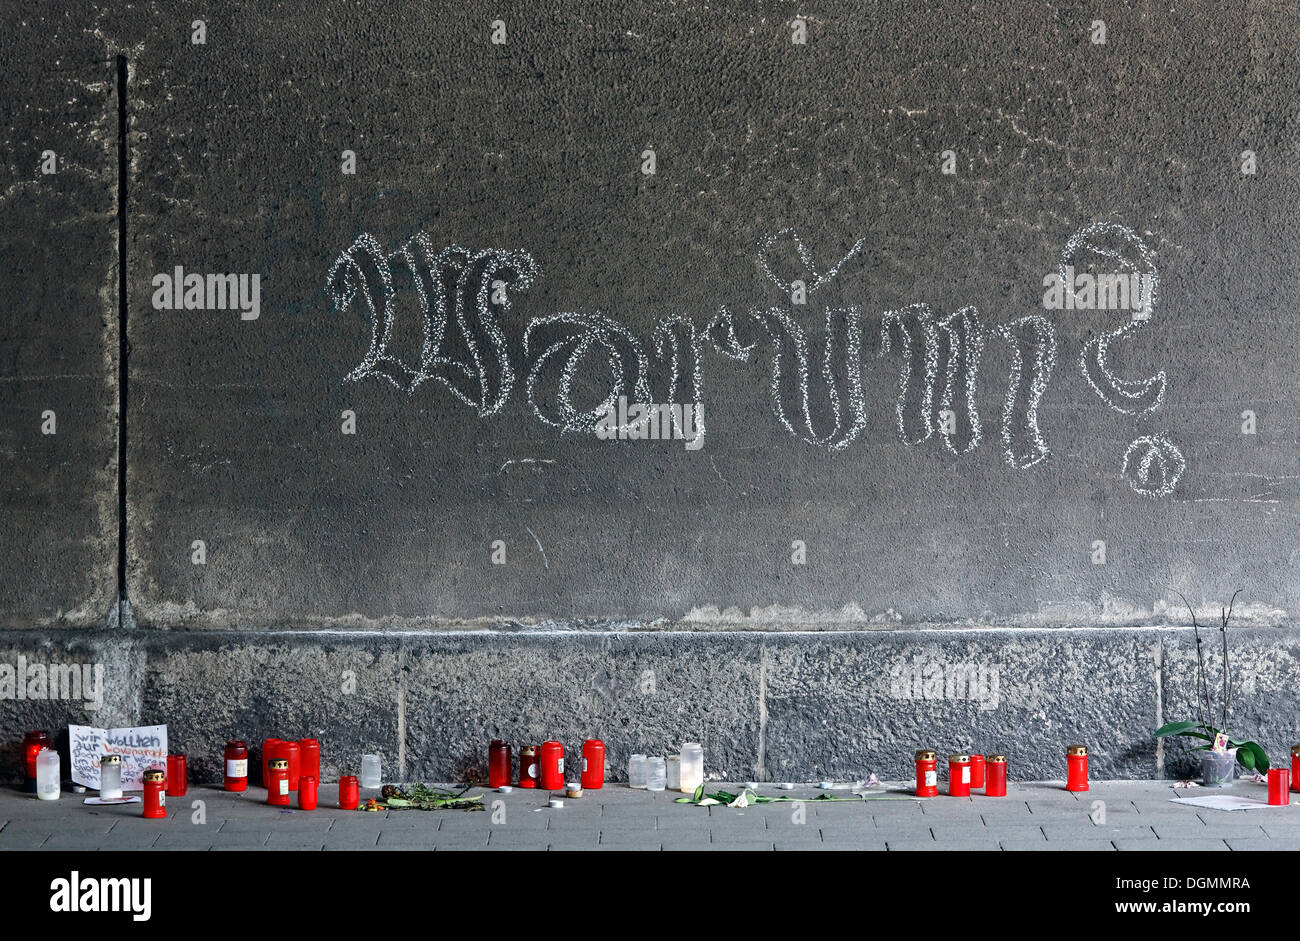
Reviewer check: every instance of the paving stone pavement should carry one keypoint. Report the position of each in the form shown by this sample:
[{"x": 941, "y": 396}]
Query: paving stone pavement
[{"x": 1112, "y": 816}]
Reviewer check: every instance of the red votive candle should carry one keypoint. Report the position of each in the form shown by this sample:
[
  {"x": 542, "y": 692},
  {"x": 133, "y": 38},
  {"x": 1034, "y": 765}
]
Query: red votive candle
[
  {"x": 155, "y": 800},
  {"x": 33, "y": 742},
  {"x": 292, "y": 752},
  {"x": 528, "y": 767},
  {"x": 177, "y": 776},
  {"x": 277, "y": 785},
  {"x": 349, "y": 793},
  {"x": 236, "y": 766},
  {"x": 498, "y": 763},
  {"x": 1295, "y": 767},
  {"x": 927, "y": 773},
  {"x": 976, "y": 771},
  {"x": 550, "y": 772},
  {"x": 1279, "y": 783},
  {"x": 270, "y": 751},
  {"x": 1076, "y": 761},
  {"x": 307, "y": 792},
  {"x": 995, "y": 778},
  {"x": 959, "y": 775},
  {"x": 310, "y": 751},
  {"x": 593, "y": 764}
]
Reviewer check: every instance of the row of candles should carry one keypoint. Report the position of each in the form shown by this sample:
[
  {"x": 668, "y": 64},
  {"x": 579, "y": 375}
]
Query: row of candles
[
  {"x": 967, "y": 771},
  {"x": 289, "y": 766}
]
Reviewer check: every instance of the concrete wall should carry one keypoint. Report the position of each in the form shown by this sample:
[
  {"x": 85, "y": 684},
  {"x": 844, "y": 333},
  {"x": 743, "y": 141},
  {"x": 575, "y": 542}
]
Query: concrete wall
[
  {"x": 374, "y": 554},
  {"x": 768, "y": 706}
]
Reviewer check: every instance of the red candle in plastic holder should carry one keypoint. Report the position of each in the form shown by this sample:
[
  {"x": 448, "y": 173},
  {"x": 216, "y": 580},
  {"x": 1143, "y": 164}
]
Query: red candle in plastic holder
[
  {"x": 1076, "y": 761},
  {"x": 1279, "y": 783},
  {"x": 959, "y": 775},
  {"x": 593, "y": 764},
  {"x": 927, "y": 773},
  {"x": 155, "y": 798},
  {"x": 995, "y": 776},
  {"x": 277, "y": 785},
  {"x": 33, "y": 742},
  {"x": 270, "y": 751},
  {"x": 498, "y": 763},
  {"x": 310, "y": 761},
  {"x": 292, "y": 753},
  {"x": 976, "y": 771},
  {"x": 236, "y": 766},
  {"x": 177, "y": 776},
  {"x": 307, "y": 792},
  {"x": 528, "y": 767},
  {"x": 1295, "y": 767},
  {"x": 349, "y": 792},
  {"x": 550, "y": 772}
]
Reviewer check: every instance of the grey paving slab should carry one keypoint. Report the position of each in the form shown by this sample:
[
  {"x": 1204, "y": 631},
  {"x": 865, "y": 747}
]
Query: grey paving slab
[
  {"x": 1017, "y": 831},
  {"x": 1216, "y": 828},
  {"x": 1246, "y": 844},
  {"x": 906, "y": 846},
  {"x": 641, "y": 822},
  {"x": 1172, "y": 846},
  {"x": 429, "y": 838}
]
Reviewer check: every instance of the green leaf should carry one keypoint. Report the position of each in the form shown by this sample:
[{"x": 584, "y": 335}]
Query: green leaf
[
  {"x": 684, "y": 800},
  {"x": 699, "y": 792},
  {"x": 1176, "y": 728},
  {"x": 1258, "y": 759}
]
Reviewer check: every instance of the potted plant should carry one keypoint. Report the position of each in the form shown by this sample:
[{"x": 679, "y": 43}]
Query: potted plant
[{"x": 1221, "y": 751}]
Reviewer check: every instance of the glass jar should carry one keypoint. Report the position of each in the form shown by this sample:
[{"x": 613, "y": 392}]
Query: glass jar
[
  {"x": 674, "y": 773},
  {"x": 692, "y": 767}
]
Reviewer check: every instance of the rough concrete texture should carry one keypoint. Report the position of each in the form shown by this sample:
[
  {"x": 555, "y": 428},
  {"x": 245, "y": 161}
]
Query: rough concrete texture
[
  {"x": 236, "y": 426},
  {"x": 382, "y": 542},
  {"x": 59, "y": 332},
  {"x": 767, "y": 707}
]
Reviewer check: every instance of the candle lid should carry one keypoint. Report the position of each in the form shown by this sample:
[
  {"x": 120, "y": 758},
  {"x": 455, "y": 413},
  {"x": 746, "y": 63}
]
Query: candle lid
[
  {"x": 1295, "y": 751},
  {"x": 153, "y": 774},
  {"x": 1076, "y": 750},
  {"x": 111, "y": 760},
  {"x": 997, "y": 759},
  {"x": 959, "y": 758},
  {"x": 925, "y": 754},
  {"x": 278, "y": 764}
]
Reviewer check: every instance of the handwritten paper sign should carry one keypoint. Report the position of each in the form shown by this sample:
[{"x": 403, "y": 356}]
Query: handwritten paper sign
[{"x": 141, "y": 748}]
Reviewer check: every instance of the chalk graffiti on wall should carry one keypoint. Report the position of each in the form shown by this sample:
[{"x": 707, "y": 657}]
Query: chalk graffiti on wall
[{"x": 462, "y": 297}]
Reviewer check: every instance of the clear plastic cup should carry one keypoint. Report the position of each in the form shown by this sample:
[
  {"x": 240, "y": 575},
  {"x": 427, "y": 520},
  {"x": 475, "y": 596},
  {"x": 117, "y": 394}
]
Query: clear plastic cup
[
  {"x": 370, "y": 771},
  {"x": 656, "y": 774},
  {"x": 636, "y": 772}
]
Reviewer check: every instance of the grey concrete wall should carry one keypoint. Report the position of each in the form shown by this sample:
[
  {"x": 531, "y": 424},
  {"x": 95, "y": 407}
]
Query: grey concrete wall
[
  {"x": 770, "y": 706},
  {"x": 373, "y": 552}
]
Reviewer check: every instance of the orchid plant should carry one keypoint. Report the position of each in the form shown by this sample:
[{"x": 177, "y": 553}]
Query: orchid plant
[{"x": 1209, "y": 727}]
